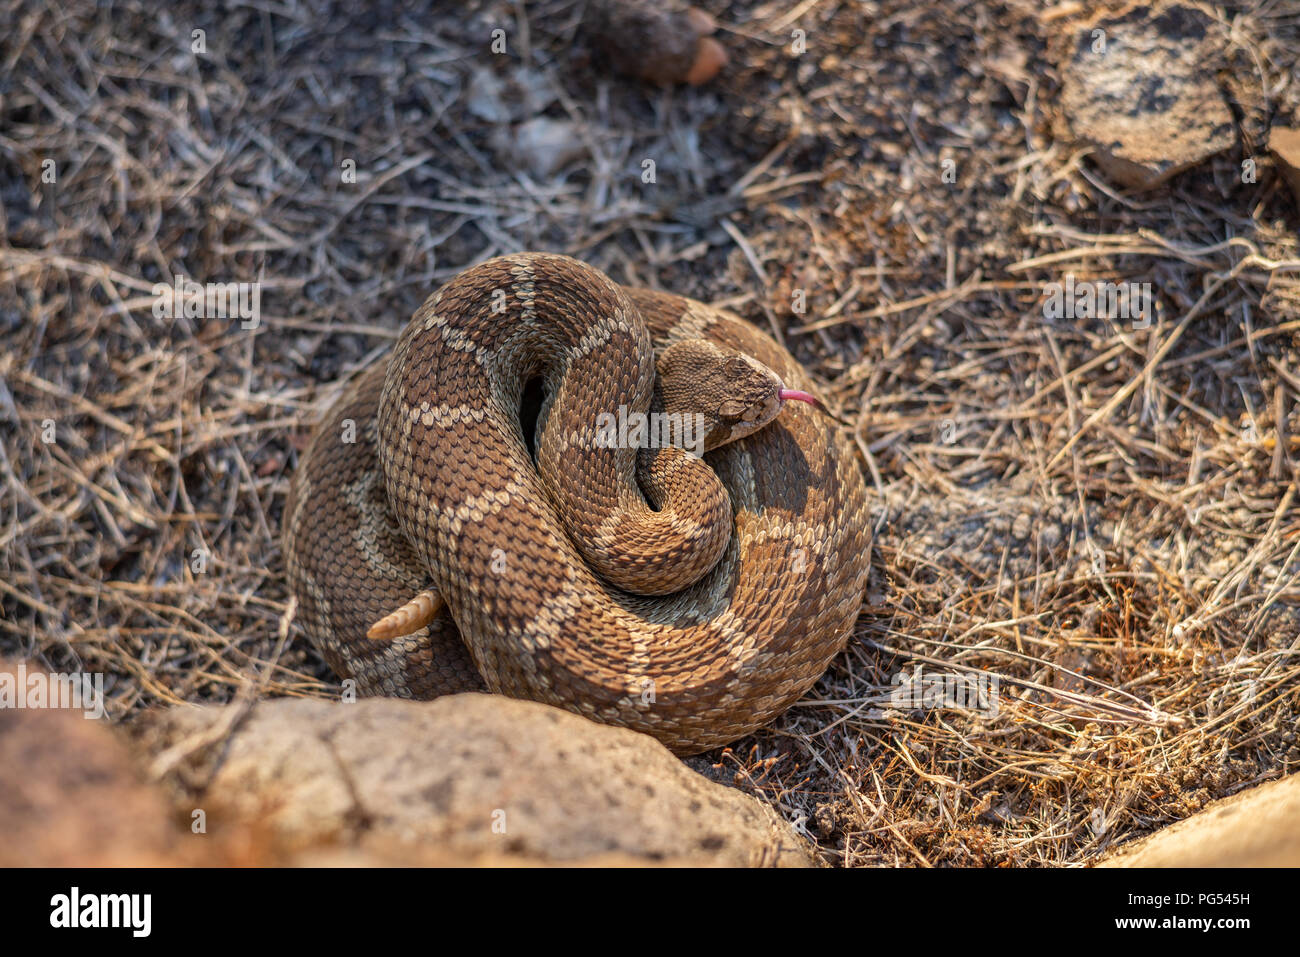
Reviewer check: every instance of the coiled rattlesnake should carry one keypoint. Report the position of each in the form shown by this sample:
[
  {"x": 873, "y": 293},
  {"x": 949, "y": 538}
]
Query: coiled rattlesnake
[{"x": 439, "y": 493}]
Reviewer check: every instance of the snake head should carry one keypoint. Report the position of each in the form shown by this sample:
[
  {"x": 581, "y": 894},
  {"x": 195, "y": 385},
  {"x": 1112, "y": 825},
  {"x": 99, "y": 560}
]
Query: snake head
[{"x": 736, "y": 394}]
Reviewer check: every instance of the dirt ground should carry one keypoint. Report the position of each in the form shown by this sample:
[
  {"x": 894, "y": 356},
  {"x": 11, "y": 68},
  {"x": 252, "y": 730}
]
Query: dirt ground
[{"x": 1102, "y": 516}]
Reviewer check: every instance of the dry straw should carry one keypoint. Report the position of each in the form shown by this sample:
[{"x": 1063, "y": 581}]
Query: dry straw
[{"x": 1102, "y": 516}]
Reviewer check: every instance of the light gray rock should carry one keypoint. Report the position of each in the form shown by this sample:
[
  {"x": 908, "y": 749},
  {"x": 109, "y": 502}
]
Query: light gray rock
[
  {"x": 1139, "y": 87},
  {"x": 513, "y": 96},
  {"x": 1256, "y": 828},
  {"x": 466, "y": 778},
  {"x": 546, "y": 145}
]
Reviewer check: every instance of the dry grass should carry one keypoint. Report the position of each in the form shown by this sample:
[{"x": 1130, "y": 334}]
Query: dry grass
[{"x": 1103, "y": 516}]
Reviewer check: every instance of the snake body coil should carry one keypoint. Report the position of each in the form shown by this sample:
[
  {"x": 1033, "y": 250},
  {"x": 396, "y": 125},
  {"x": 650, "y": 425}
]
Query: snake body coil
[{"x": 438, "y": 488}]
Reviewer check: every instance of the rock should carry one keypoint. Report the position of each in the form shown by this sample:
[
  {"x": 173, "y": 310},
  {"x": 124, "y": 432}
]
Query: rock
[
  {"x": 659, "y": 41},
  {"x": 516, "y": 94},
  {"x": 546, "y": 145},
  {"x": 1284, "y": 142},
  {"x": 467, "y": 778},
  {"x": 71, "y": 795},
  {"x": 1139, "y": 86},
  {"x": 484, "y": 97},
  {"x": 1256, "y": 828}
]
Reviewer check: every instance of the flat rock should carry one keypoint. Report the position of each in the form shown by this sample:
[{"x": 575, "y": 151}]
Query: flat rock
[
  {"x": 1143, "y": 93},
  {"x": 1256, "y": 828},
  {"x": 71, "y": 795},
  {"x": 468, "y": 778}
]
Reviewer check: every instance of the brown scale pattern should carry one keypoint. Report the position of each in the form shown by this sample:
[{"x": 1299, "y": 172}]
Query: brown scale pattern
[
  {"x": 462, "y": 508},
  {"x": 349, "y": 564}
]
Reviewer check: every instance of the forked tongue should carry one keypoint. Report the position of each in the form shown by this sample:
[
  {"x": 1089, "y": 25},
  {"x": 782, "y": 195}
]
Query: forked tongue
[{"x": 798, "y": 397}]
